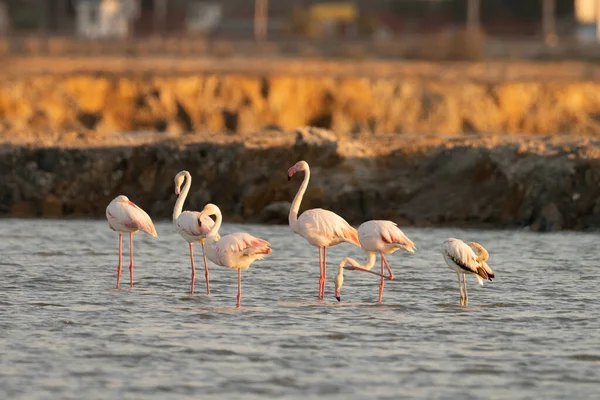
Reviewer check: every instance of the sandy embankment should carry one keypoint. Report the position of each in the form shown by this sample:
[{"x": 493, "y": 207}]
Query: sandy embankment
[{"x": 207, "y": 95}]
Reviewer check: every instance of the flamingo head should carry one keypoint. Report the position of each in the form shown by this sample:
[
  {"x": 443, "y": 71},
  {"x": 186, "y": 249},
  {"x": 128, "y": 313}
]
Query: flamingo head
[
  {"x": 209, "y": 209},
  {"x": 339, "y": 280},
  {"x": 179, "y": 178},
  {"x": 121, "y": 199},
  {"x": 299, "y": 166}
]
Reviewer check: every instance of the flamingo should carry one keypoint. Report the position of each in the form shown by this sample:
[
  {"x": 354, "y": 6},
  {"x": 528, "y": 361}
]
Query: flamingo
[
  {"x": 236, "y": 250},
  {"x": 383, "y": 237},
  {"x": 190, "y": 226},
  {"x": 462, "y": 259},
  {"x": 124, "y": 216},
  {"x": 321, "y": 228}
]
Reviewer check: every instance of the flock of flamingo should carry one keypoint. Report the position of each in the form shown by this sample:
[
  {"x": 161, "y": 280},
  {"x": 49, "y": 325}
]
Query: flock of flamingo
[{"x": 321, "y": 228}]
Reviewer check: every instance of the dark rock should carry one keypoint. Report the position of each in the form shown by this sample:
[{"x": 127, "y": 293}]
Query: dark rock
[
  {"x": 550, "y": 219},
  {"x": 453, "y": 182},
  {"x": 274, "y": 213}
]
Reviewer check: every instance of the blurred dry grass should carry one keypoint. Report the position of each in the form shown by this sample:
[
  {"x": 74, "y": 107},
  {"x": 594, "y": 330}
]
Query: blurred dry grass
[
  {"x": 444, "y": 83},
  {"x": 416, "y": 98},
  {"x": 310, "y": 63}
]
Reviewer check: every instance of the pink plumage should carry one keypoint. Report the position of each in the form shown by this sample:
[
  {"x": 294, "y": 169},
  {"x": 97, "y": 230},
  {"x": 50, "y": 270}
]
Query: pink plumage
[
  {"x": 236, "y": 250},
  {"x": 124, "y": 216},
  {"x": 377, "y": 236},
  {"x": 239, "y": 250},
  {"x": 243, "y": 243},
  {"x": 321, "y": 228},
  {"x": 191, "y": 226},
  {"x": 383, "y": 237},
  {"x": 324, "y": 228}
]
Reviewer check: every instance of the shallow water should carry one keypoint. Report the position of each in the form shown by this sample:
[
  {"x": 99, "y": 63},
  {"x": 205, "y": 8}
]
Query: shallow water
[{"x": 67, "y": 333}]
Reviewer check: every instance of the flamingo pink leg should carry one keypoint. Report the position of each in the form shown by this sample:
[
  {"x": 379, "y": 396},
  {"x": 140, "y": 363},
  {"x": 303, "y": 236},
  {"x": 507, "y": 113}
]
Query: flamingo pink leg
[
  {"x": 324, "y": 272},
  {"x": 206, "y": 271},
  {"x": 391, "y": 276},
  {"x": 193, "y": 269},
  {"x": 320, "y": 272},
  {"x": 120, "y": 267},
  {"x": 382, "y": 284},
  {"x": 460, "y": 287},
  {"x": 130, "y": 259},
  {"x": 239, "y": 295}
]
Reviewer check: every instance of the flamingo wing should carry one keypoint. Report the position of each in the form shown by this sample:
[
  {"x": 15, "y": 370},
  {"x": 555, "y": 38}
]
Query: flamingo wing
[
  {"x": 464, "y": 257},
  {"x": 390, "y": 233},
  {"x": 128, "y": 215},
  {"x": 482, "y": 256},
  {"x": 193, "y": 224},
  {"x": 320, "y": 222},
  {"x": 244, "y": 244},
  {"x": 488, "y": 270}
]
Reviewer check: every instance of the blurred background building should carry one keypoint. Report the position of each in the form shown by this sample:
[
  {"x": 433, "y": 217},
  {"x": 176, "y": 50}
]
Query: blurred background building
[{"x": 548, "y": 21}]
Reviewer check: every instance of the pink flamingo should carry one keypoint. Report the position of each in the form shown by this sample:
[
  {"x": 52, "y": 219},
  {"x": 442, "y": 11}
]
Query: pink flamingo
[
  {"x": 236, "y": 250},
  {"x": 383, "y": 237},
  {"x": 124, "y": 216},
  {"x": 190, "y": 226},
  {"x": 321, "y": 228}
]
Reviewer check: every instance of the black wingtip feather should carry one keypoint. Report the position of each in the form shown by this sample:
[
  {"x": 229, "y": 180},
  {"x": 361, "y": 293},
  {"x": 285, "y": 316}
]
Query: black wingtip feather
[
  {"x": 462, "y": 266},
  {"x": 483, "y": 273}
]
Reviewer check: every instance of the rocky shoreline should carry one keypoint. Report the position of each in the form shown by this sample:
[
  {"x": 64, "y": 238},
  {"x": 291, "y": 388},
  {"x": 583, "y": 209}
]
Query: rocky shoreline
[{"x": 539, "y": 183}]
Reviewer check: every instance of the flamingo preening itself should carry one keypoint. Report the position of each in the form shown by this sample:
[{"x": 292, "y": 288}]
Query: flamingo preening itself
[
  {"x": 236, "y": 250},
  {"x": 189, "y": 224},
  {"x": 321, "y": 228},
  {"x": 125, "y": 217},
  {"x": 461, "y": 257}
]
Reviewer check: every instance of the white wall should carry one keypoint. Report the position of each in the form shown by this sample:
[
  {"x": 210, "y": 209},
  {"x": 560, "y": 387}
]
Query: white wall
[
  {"x": 585, "y": 11},
  {"x": 86, "y": 18},
  {"x": 105, "y": 18}
]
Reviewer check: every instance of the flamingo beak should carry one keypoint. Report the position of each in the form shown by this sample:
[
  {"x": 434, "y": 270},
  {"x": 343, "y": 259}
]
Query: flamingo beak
[
  {"x": 177, "y": 190},
  {"x": 291, "y": 173},
  {"x": 337, "y": 295}
]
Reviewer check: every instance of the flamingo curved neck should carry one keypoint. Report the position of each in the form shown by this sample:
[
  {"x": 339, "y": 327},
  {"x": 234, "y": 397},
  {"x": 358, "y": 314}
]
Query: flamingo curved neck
[
  {"x": 371, "y": 258},
  {"x": 341, "y": 268},
  {"x": 293, "y": 217},
  {"x": 212, "y": 235},
  {"x": 182, "y": 196}
]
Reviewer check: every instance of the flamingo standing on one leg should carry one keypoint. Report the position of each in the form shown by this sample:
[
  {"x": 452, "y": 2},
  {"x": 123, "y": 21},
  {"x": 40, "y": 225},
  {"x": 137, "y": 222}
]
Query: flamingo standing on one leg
[
  {"x": 236, "y": 250},
  {"x": 462, "y": 259},
  {"x": 190, "y": 226},
  {"x": 321, "y": 228},
  {"x": 383, "y": 237},
  {"x": 124, "y": 216}
]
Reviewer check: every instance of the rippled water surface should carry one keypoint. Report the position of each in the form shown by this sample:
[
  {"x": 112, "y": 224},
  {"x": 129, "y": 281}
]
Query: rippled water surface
[{"x": 67, "y": 333}]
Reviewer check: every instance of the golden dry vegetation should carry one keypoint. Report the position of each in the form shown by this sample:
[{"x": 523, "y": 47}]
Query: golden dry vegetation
[{"x": 350, "y": 98}]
